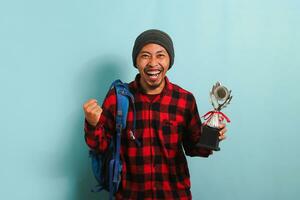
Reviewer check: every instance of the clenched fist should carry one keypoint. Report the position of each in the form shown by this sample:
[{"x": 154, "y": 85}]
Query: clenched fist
[{"x": 92, "y": 111}]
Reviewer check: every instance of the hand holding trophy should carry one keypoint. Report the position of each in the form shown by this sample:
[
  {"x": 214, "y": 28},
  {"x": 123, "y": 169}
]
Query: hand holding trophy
[{"x": 220, "y": 97}]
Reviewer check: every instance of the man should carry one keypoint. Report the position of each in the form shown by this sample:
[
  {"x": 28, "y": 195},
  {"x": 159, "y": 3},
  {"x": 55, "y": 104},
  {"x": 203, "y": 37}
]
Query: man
[{"x": 167, "y": 121}]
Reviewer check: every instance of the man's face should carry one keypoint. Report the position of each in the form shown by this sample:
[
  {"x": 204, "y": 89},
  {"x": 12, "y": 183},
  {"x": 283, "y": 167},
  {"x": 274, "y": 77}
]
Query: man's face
[{"x": 153, "y": 62}]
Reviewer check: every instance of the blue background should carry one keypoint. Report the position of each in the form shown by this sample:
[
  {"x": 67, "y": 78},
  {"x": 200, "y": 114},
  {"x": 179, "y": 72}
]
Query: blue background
[{"x": 55, "y": 55}]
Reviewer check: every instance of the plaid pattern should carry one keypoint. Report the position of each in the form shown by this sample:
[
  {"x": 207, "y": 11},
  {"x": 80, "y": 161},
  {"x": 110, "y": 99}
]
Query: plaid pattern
[{"x": 168, "y": 127}]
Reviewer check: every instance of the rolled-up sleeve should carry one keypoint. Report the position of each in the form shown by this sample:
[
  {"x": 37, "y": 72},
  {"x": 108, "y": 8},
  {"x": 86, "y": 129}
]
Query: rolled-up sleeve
[
  {"x": 193, "y": 131},
  {"x": 98, "y": 138}
]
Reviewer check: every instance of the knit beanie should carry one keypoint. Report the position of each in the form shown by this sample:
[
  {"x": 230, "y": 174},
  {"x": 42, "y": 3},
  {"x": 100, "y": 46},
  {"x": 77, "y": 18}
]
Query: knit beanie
[{"x": 153, "y": 36}]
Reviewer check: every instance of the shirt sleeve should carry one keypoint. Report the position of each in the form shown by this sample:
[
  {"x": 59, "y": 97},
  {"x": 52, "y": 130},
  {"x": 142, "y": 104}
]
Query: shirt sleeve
[
  {"x": 193, "y": 131},
  {"x": 99, "y": 137}
]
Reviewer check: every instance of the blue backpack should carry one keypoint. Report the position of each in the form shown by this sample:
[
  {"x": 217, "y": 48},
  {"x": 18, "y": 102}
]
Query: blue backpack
[{"x": 107, "y": 166}]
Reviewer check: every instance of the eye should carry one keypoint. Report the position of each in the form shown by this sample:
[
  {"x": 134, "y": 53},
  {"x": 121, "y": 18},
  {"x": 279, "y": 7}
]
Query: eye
[
  {"x": 145, "y": 56},
  {"x": 161, "y": 55}
]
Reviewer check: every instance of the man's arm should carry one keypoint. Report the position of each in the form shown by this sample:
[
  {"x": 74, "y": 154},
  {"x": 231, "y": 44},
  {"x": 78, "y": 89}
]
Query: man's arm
[
  {"x": 193, "y": 131},
  {"x": 100, "y": 122}
]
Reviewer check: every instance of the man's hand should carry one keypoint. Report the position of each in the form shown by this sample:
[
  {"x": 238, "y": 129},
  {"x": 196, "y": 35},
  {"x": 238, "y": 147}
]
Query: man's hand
[
  {"x": 222, "y": 131},
  {"x": 92, "y": 111}
]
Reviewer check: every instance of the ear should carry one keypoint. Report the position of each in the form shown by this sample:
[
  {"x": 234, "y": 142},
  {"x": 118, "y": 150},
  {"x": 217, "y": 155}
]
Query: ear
[{"x": 169, "y": 67}]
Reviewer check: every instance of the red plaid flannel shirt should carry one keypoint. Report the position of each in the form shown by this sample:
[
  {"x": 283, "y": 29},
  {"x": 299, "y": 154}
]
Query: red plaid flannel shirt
[{"x": 164, "y": 126}]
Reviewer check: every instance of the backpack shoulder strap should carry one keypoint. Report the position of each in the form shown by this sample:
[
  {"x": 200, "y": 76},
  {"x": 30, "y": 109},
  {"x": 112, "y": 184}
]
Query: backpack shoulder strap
[
  {"x": 123, "y": 95},
  {"x": 114, "y": 166}
]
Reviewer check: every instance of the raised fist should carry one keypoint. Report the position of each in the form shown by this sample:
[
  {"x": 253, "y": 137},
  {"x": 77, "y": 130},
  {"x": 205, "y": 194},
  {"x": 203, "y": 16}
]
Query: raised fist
[{"x": 92, "y": 111}]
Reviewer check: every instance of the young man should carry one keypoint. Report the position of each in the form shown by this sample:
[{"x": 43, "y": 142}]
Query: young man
[{"x": 167, "y": 121}]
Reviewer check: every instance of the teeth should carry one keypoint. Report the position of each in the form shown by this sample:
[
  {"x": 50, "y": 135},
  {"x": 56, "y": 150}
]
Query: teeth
[{"x": 153, "y": 72}]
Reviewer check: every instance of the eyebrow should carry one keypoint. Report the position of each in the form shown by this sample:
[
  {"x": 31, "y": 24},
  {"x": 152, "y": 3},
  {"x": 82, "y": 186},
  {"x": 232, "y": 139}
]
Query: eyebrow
[
  {"x": 161, "y": 51},
  {"x": 144, "y": 52}
]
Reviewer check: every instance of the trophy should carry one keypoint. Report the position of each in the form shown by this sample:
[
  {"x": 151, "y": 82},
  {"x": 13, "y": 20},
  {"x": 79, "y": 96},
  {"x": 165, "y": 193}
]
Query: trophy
[{"x": 220, "y": 97}]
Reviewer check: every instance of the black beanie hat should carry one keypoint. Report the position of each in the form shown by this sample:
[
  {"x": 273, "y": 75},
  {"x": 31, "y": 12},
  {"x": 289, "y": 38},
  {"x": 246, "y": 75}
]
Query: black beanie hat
[{"x": 156, "y": 37}]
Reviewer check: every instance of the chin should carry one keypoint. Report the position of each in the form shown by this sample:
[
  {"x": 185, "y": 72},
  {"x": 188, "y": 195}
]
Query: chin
[{"x": 154, "y": 84}]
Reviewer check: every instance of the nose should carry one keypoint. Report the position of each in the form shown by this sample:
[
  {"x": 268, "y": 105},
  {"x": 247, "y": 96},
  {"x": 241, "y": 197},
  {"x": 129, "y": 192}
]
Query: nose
[{"x": 153, "y": 61}]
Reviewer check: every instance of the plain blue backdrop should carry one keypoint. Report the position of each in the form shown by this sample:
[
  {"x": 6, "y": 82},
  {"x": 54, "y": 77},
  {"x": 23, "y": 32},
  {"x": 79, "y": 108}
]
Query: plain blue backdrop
[{"x": 55, "y": 55}]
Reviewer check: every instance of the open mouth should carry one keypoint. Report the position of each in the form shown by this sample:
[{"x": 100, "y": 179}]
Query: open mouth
[{"x": 153, "y": 73}]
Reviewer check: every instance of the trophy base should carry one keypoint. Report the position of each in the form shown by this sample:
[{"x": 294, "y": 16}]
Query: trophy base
[{"x": 209, "y": 138}]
